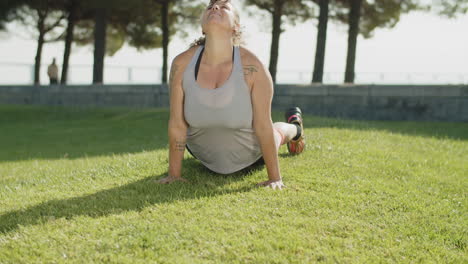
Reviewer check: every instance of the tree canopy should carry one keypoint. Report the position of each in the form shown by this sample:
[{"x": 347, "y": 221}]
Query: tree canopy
[{"x": 450, "y": 8}]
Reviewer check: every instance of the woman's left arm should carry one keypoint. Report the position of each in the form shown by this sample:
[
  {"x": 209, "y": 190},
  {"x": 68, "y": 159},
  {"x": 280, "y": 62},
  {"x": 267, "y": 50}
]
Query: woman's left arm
[{"x": 262, "y": 96}]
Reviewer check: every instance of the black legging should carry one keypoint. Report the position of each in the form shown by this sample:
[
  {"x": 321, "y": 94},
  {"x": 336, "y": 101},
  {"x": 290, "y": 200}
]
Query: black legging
[{"x": 260, "y": 161}]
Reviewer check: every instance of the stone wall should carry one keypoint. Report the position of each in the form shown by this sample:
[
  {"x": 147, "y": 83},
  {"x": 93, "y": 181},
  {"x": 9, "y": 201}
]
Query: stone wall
[
  {"x": 87, "y": 95},
  {"x": 375, "y": 102},
  {"x": 378, "y": 102}
]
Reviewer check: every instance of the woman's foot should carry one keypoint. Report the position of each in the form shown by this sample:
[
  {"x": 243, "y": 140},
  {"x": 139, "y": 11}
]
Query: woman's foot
[{"x": 294, "y": 116}]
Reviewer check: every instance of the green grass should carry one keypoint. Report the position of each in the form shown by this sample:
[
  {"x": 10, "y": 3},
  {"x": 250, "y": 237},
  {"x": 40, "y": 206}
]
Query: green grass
[{"x": 79, "y": 185}]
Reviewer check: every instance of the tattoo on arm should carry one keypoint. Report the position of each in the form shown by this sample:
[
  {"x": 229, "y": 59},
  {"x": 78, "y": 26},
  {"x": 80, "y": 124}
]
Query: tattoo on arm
[
  {"x": 180, "y": 145},
  {"x": 249, "y": 70},
  {"x": 173, "y": 73}
]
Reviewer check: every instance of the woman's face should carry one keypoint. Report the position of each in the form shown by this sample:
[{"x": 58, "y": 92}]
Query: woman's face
[{"x": 219, "y": 15}]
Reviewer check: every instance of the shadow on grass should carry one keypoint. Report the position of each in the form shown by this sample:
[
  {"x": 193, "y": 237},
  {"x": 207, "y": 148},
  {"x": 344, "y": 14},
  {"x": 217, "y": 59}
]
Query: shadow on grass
[
  {"x": 134, "y": 196},
  {"x": 285, "y": 155}
]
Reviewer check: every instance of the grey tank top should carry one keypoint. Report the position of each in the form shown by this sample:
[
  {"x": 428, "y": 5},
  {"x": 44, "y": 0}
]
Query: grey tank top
[{"x": 220, "y": 130}]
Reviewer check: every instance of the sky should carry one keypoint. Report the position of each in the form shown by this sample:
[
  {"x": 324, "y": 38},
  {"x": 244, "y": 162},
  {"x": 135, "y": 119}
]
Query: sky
[{"x": 423, "y": 48}]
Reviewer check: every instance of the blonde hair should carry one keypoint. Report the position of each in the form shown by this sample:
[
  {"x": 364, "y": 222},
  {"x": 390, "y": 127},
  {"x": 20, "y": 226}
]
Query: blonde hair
[{"x": 237, "y": 37}]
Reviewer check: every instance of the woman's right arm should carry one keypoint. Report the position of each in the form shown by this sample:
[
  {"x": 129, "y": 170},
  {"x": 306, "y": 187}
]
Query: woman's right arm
[{"x": 177, "y": 128}]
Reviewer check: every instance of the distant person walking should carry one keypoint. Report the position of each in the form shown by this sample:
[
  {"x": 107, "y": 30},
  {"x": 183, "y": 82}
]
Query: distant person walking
[{"x": 52, "y": 71}]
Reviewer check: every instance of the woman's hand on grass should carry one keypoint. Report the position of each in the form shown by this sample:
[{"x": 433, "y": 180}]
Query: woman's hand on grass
[
  {"x": 171, "y": 179},
  {"x": 273, "y": 184}
]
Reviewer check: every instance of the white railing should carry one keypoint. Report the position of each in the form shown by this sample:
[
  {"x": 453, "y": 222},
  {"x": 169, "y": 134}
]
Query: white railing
[
  {"x": 302, "y": 77},
  {"x": 23, "y": 74}
]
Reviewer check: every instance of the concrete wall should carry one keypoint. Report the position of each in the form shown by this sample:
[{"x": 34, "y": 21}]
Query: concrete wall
[
  {"x": 87, "y": 95},
  {"x": 381, "y": 102},
  {"x": 378, "y": 102}
]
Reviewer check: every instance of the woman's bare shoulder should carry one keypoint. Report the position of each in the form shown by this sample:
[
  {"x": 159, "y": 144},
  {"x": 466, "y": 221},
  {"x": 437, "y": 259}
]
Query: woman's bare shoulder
[
  {"x": 183, "y": 58},
  {"x": 249, "y": 58},
  {"x": 253, "y": 67}
]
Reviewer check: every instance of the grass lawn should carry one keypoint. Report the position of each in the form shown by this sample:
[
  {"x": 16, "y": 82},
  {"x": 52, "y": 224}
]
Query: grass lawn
[{"x": 79, "y": 185}]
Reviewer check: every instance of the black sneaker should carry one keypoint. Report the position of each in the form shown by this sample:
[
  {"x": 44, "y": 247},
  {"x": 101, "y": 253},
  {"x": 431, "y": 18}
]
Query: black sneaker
[{"x": 294, "y": 116}]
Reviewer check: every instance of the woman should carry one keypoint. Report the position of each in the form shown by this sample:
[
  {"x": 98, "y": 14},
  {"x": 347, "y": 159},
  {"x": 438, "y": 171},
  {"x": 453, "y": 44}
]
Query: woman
[{"x": 220, "y": 104}]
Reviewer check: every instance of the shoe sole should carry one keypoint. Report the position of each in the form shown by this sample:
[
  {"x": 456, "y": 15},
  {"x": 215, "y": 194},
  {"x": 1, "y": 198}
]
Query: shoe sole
[{"x": 295, "y": 146}]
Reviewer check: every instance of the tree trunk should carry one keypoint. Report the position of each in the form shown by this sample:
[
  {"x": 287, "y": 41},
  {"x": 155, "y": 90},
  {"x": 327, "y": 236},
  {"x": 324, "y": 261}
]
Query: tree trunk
[
  {"x": 68, "y": 41},
  {"x": 354, "y": 17},
  {"x": 40, "y": 45},
  {"x": 99, "y": 45},
  {"x": 276, "y": 32},
  {"x": 165, "y": 30},
  {"x": 321, "y": 42},
  {"x": 38, "y": 58}
]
